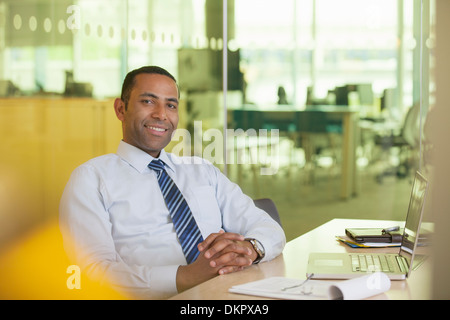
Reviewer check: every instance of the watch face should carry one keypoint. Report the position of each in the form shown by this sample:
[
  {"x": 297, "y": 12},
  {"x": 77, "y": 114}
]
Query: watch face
[
  {"x": 259, "y": 247},
  {"x": 259, "y": 250}
]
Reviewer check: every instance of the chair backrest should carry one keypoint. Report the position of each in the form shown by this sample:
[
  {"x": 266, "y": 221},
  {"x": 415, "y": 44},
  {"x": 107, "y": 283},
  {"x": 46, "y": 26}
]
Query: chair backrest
[
  {"x": 268, "y": 206},
  {"x": 411, "y": 130}
]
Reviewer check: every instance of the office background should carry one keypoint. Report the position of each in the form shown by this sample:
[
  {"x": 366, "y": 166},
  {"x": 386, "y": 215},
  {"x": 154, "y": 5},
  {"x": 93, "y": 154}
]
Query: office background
[{"x": 62, "y": 64}]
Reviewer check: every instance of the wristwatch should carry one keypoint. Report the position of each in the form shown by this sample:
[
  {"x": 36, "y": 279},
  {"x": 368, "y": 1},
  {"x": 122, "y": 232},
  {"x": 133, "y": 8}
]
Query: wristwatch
[{"x": 259, "y": 249}]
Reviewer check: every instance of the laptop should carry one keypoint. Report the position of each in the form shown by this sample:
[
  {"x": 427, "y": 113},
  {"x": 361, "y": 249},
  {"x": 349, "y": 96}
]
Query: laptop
[{"x": 397, "y": 266}]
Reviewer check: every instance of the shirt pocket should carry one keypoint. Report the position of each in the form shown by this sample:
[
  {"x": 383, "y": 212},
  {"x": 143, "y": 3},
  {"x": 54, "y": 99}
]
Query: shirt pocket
[{"x": 206, "y": 210}]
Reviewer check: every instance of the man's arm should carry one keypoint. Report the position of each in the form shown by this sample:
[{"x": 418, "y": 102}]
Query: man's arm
[
  {"x": 240, "y": 215},
  {"x": 87, "y": 232}
]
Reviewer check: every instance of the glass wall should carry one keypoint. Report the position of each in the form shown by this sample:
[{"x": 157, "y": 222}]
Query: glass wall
[
  {"x": 62, "y": 63},
  {"x": 373, "y": 57}
]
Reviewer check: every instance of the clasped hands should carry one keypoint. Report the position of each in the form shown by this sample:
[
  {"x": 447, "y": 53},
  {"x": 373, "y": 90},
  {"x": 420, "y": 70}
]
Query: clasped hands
[
  {"x": 220, "y": 253},
  {"x": 227, "y": 252}
]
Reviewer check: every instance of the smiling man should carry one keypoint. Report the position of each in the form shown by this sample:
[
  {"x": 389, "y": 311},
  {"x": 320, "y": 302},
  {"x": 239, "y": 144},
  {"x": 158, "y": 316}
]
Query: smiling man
[
  {"x": 149, "y": 112},
  {"x": 119, "y": 218}
]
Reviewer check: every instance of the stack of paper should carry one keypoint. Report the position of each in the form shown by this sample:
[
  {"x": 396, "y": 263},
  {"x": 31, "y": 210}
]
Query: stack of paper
[
  {"x": 352, "y": 243},
  {"x": 294, "y": 289}
]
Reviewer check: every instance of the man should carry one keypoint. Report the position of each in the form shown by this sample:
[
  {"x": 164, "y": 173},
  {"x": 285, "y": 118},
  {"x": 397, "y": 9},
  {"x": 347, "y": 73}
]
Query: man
[{"x": 113, "y": 214}]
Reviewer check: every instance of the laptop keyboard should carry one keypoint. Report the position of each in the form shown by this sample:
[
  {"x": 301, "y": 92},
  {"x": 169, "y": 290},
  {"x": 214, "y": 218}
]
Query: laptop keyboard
[{"x": 371, "y": 263}]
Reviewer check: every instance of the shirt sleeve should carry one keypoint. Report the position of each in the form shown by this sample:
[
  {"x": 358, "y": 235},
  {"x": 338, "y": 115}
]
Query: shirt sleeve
[
  {"x": 87, "y": 235},
  {"x": 240, "y": 215}
]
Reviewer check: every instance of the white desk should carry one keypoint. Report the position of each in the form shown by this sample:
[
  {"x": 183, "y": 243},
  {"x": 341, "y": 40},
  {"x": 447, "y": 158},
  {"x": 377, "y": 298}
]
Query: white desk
[{"x": 293, "y": 261}]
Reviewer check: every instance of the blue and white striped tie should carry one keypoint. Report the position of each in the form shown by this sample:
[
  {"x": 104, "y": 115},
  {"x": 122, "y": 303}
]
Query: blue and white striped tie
[{"x": 187, "y": 230}]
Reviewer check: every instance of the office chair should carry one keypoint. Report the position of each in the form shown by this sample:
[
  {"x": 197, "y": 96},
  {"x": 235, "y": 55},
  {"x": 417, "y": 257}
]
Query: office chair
[
  {"x": 314, "y": 133},
  {"x": 407, "y": 141},
  {"x": 268, "y": 206}
]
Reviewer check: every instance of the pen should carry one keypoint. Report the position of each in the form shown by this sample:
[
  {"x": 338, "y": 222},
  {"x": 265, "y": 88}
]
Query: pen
[
  {"x": 396, "y": 228},
  {"x": 298, "y": 285}
]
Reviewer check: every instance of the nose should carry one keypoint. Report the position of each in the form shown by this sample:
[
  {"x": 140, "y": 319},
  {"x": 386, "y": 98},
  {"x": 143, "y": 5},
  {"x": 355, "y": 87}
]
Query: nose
[{"x": 159, "y": 112}]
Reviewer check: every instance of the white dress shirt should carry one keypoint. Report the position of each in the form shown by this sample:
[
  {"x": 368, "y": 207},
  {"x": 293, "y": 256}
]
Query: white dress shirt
[{"x": 114, "y": 219}]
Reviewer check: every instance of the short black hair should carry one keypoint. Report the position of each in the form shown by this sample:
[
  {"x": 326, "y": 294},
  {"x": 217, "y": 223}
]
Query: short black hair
[{"x": 129, "y": 80}]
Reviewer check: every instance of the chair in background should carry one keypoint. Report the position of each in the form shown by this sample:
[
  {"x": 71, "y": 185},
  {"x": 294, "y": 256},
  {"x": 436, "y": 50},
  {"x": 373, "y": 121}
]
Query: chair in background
[
  {"x": 268, "y": 206},
  {"x": 314, "y": 134},
  {"x": 406, "y": 141}
]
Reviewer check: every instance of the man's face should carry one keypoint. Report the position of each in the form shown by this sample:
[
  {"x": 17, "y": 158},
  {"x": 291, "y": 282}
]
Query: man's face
[{"x": 151, "y": 115}]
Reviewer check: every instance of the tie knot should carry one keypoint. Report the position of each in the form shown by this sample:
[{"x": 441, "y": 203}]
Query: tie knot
[{"x": 156, "y": 165}]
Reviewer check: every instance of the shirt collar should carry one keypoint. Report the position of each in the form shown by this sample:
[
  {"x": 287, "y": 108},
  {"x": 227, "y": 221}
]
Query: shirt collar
[{"x": 140, "y": 159}]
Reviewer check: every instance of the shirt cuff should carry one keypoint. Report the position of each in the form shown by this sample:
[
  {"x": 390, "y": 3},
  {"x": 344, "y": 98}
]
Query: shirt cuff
[{"x": 163, "y": 280}]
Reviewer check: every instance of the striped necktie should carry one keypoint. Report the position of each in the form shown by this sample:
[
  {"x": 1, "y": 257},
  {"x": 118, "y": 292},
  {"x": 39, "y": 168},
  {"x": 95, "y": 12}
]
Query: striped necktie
[{"x": 187, "y": 230}]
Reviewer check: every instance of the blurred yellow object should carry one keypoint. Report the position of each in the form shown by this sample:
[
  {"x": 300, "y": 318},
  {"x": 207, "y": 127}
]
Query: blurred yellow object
[{"x": 36, "y": 268}]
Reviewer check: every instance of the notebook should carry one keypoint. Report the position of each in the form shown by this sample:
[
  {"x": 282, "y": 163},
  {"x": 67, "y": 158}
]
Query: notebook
[{"x": 397, "y": 266}]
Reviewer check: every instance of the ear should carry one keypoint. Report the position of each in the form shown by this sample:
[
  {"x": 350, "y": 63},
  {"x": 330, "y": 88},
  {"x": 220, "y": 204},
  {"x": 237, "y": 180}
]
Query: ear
[{"x": 119, "y": 108}]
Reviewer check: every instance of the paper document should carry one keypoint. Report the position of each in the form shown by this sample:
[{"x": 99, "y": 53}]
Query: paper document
[
  {"x": 295, "y": 289},
  {"x": 285, "y": 288}
]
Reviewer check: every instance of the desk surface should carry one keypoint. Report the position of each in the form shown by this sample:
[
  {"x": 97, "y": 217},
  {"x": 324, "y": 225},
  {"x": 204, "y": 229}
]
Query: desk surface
[{"x": 292, "y": 264}]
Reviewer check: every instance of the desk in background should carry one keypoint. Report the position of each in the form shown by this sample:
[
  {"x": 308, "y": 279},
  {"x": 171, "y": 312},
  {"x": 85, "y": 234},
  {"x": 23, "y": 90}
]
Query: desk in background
[
  {"x": 292, "y": 119},
  {"x": 293, "y": 261}
]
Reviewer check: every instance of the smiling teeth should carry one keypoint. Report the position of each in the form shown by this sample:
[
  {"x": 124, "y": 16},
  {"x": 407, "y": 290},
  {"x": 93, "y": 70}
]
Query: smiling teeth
[{"x": 156, "y": 129}]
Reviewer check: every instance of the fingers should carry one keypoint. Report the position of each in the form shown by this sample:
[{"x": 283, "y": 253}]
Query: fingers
[
  {"x": 226, "y": 244},
  {"x": 231, "y": 259},
  {"x": 210, "y": 239},
  {"x": 227, "y": 252},
  {"x": 216, "y": 242},
  {"x": 230, "y": 269}
]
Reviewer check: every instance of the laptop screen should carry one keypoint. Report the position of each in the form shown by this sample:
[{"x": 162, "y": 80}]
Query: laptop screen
[{"x": 413, "y": 220}]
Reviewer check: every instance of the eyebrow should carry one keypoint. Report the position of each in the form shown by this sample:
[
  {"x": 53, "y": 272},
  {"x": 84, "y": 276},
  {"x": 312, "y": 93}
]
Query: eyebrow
[{"x": 152, "y": 95}]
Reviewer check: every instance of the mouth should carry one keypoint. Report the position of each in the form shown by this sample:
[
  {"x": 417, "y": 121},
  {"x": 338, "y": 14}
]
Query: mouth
[{"x": 156, "y": 130}]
